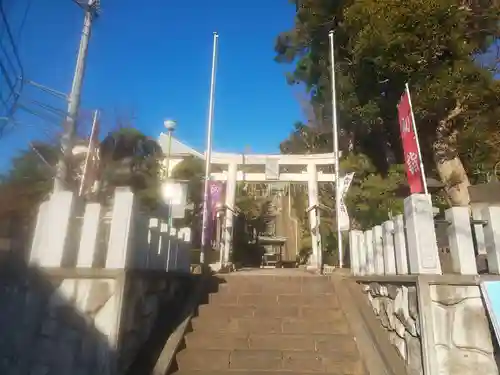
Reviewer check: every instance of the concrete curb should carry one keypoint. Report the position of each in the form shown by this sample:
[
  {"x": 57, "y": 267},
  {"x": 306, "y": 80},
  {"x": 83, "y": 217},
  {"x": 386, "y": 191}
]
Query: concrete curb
[
  {"x": 167, "y": 355},
  {"x": 373, "y": 343}
]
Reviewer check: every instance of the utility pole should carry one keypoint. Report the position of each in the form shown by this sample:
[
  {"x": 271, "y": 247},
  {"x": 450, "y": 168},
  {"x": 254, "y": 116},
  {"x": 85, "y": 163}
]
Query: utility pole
[{"x": 91, "y": 8}]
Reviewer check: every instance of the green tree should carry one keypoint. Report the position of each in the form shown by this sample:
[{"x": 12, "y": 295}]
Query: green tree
[
  {"x": 130, "y": 158},
  {"x": 28, "y": 182},
  {"x": 30, "y": 178},
  {"x": 381, "y": 45}
]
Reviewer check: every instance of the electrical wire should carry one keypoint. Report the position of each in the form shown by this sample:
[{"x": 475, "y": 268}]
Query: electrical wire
[
  {"x": 23, "y": 19},
  {"x": 11, "y": 68}
]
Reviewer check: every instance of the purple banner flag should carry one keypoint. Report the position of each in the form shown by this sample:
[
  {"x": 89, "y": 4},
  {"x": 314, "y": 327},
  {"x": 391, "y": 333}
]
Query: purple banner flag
[{"x": 215, "y": 199}]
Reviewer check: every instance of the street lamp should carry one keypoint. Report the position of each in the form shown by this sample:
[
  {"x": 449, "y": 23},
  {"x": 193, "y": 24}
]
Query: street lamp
[
  {"x": 170, "y": 125},
  {"x": 166, "y": 190}
]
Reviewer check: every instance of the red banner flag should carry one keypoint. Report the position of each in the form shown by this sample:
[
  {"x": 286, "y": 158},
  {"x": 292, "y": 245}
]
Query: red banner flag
[{"x": 410, "y": 145}]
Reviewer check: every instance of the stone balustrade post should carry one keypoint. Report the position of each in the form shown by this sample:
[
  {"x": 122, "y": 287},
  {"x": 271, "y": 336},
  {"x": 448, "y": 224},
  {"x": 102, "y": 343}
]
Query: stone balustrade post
[
  {"x": 400, "y": 251},
  {"x": 88, "y": 241},
  {"x": 370, "y": 260},
  {"x": 120, "y": 244},
  {"x": 354, "y": 251},
  {"x": 51, "y": 230},
  {"x": 378, "y": 250},
  {"x": 423, "y": 255},
  {"x": 164, "y": 243},
  {"x": 459, "y": 232},
  {"x": 388, "y": 243},
  {"x": 492, "y": 238},
  {"x": 362, "y": 254}
]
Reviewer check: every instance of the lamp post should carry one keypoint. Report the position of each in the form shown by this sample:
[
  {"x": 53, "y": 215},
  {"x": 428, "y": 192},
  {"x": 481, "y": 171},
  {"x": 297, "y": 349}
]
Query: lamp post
[{"x": 170, "y": 126}]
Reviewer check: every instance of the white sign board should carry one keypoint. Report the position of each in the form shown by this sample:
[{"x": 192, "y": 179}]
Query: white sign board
[
  {"x": 179, "y": 210},
  {"x": 172, "y": 192},
  {"x": 175, "y": 194},
  {"x": 345, "y": 183},
  {"x": 272, "y": 169},
  {"x": 491, "y": 296}
]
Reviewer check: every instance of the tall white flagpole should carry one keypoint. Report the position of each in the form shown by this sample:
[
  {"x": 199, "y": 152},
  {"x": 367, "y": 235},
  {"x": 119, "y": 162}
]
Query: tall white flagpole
[
  {"x": 336, "y": 151},
  {"x": 424, "y": 181},
  {"x": 208, "y": 153}
]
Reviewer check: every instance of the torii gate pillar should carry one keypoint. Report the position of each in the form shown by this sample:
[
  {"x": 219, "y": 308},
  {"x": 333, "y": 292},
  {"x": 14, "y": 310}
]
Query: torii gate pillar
[
  {"x": 312, "y": 187},
  {"x": 230, "y": 205}
]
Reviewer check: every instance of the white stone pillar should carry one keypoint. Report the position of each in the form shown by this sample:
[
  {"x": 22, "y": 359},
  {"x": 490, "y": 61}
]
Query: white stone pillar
[
  {"x": 40, "y": 232},
  {"x": 171, "y": 244},
  {"x": 400, "y": 245},
  {"x": 388, "y": 243},
  {"x": 51, "y": 241},
  {"x": 154, "y": 235},
  {"x": 362, "y": 254},
  {"x": 492, "y": 238},
  {"x": 423, "y": 253},
  {"x": 182, "y": 261},
  {"x": 459, "y": 232},
  {"x": 120, "y": 244},
  {"x": 312, "y": 189},
  {"x": 378, "y": 250},
  {"x": 230, "y": 202},
  {"x": 164, "y": 243},
  {"x": 88, "y": 240},
  {"x": 354, "y": 251},
  {"x": 370, "y": 259}
]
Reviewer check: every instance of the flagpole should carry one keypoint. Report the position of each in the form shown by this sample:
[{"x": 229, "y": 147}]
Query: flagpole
[
  {"x": 336, "y": 151},
  {"x": 424, "y": 181},
  {"x": 87, "y": 156},
  {"x": 208, "y": 153}
]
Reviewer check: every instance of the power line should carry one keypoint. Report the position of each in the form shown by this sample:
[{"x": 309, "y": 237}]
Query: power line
[
  {"x": 11, "y": 67},
  {"x": 23, "y": 19}
]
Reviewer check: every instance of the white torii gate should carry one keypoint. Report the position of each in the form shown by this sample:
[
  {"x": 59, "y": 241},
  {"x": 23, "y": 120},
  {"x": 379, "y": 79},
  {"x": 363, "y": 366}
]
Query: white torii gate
[{"x": 274, "y": 164}]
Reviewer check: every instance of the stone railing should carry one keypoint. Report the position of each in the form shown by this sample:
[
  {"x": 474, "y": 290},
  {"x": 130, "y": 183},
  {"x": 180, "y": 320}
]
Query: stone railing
[
  {"x": 437, "y": 323},
  {"x": 93, "y": 289},
  {"x": 71, "y": 234}
]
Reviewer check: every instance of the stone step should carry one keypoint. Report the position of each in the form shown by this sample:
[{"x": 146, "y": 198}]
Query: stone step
[
  {"x": 272, "y": 325},
  {"x": 319, "y": 300},
  {"x": 299, "y": 342},
  {"x": 215, "y": 311},
  {"x": 269, "y": 360},
  {"x": 277, "y": 285},
  {"x": 245, "y": 372}
]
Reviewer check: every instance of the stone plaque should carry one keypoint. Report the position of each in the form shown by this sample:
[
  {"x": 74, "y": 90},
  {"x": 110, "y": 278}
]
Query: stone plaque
[{"x": 272, "y": 169}]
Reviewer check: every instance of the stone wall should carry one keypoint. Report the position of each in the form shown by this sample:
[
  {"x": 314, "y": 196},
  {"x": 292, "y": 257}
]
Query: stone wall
[
  {"x": 396, "y": 307},
  {"x": 57, "y": 324},
  {"x": 461, "y": 331},
  {"x": 147, "y": 295},
  {"x": 81, "y": 322}
]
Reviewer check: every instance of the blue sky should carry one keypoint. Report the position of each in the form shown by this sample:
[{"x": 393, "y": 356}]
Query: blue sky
[{"x": 152, "y": 59}]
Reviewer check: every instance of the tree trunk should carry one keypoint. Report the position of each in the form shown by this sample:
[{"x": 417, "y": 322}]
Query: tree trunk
[
  {"x": 448, "y": 164},
  {"x": 454, "y": 176}
]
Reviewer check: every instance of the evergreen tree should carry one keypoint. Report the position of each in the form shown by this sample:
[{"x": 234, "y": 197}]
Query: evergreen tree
[{"x": 438, "y": 46}]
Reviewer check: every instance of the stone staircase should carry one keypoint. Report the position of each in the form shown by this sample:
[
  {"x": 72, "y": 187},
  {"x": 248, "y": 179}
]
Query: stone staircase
[{"x": 259, "y": 324}]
